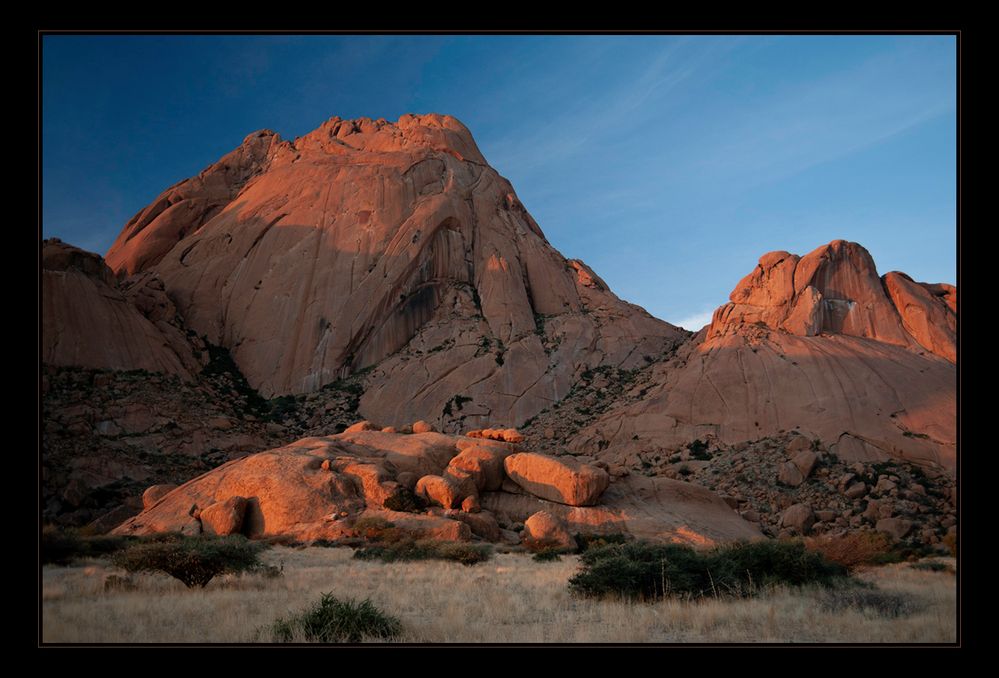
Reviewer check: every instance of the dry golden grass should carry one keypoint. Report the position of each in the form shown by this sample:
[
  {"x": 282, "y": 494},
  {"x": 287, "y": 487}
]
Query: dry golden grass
[{"x": 509, "y": 599}]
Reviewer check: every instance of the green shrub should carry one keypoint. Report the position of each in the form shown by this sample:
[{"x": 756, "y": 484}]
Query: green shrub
[
  {"x": 61, "y": 547},
  {"x": 335, "y": 621},
  {"x": 193, "y": 560},
  {"x": 426, "y": 549},
  {"x": 639, "y": 570},
  {"x": 650, "y": 571},
  {"x": 587, "y": 541},
  {"x": 770, "y": 563},
  {"x": 930, "y": 566}
]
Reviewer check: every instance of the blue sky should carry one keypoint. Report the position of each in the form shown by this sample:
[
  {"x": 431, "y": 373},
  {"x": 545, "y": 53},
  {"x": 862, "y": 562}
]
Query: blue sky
[{"x": 667, "y": 163}]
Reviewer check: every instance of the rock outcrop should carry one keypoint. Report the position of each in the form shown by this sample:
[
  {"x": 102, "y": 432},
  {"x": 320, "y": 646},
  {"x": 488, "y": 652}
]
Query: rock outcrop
[
  {"x": 88, "y": 321},
  {"x": 388, "y": 245},
  {"x": 835, "y": 289},
  {"x": 813, "y": 344},
  {"x": 658, "y": 509},
  {"x": 318, "y": 488}
]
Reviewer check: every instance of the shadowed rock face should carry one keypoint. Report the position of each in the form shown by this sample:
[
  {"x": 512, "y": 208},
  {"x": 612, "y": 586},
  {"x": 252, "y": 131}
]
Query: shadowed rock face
[
  {"x": 369, "y": 243},
  {"x": 88, "y": 321},
  {"x": 819, "y": 343}
]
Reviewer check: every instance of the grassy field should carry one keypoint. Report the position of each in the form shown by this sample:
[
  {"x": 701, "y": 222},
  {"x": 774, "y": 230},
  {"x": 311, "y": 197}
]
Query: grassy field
[{"x": 509, "y": 599}]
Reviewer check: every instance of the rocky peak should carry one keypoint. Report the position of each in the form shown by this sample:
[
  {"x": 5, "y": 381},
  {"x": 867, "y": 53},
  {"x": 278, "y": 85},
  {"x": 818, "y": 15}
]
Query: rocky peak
[
  {"x": 371, "y": 244},
  {"x": 835, "y": 289},
  {"x": 186, "y": 206},
  {"x": 411, "y": 134}
]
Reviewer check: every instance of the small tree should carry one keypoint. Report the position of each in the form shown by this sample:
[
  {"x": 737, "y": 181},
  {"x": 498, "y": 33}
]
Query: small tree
[{"x": 193, "y": 560}]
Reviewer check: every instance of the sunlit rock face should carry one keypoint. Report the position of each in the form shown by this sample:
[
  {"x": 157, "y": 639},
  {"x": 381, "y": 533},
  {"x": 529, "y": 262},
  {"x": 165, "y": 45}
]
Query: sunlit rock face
[
  {"x": 820, "y": 343},
  {"x": 388, "y": 245},
  {"x": 318, "y": 488}
]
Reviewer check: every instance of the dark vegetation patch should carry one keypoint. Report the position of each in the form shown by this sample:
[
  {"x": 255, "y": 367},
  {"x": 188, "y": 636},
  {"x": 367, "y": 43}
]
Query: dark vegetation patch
[
  {"x": 195, "y": 561},
  {"x": 332, "y": 620},
  {"x": 405, "y": 500},
  {"x": 647, "y": 571},
  {"x": 547, "y": 556},
  {"x": 63, "y": 546},
  {"x": 425, "y": 549}
]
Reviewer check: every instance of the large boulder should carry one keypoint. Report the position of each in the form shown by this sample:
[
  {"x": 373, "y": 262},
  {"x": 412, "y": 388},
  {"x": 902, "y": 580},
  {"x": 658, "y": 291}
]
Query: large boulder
[
  {"x": 897, "y": 528},
  {"x": 481, "y": 463},
  {"x": 224, "y": 517},
  {"x": 544, "y": 529},
  {"x": 444, "y": 491},
  {"x": 561, "y": 479},
  {"x": 363, "y": 425},
  {"x": 482, "y": 524},
  {"x": 422, "y": 427},
  {"x": 799, "y": 518},
  {"x": 423, "y": 526}
]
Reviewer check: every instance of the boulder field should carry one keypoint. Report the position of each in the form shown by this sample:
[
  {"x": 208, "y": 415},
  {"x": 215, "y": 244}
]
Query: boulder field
[{"x": 472, "y": 488}]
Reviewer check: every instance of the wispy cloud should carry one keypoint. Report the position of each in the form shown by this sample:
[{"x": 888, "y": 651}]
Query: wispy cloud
[
  {"x": 828, "y": 118},
  {"x": 584, "y": 115},
  {"x": 695, "y": 321}
]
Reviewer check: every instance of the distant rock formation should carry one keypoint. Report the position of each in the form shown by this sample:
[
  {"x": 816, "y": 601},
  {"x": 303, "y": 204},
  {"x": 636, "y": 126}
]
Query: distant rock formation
[{"x": 817, "y": 343}]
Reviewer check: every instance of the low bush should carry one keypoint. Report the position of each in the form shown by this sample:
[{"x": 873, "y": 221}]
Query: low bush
[
  {"x": 426, "y": 549},
  {"x": 651, "y": 571},
  {"x": 930, "y": 566},
  {"x": 337, "y": 621},
  {"x": 193, "y": 560},
  {"x": 585, "y": 542}
]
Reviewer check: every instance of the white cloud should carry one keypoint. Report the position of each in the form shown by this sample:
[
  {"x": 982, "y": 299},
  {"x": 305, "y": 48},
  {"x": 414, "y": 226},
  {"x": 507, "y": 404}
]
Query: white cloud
[{"x": 696, "y": 321}]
